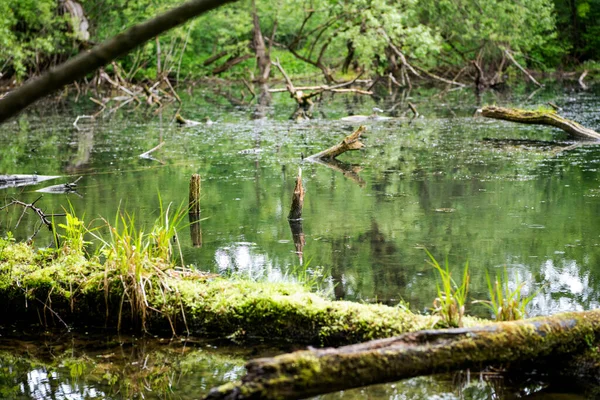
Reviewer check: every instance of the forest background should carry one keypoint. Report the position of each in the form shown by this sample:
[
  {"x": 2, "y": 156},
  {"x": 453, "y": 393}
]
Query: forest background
[{"x": 459, "y": 40}]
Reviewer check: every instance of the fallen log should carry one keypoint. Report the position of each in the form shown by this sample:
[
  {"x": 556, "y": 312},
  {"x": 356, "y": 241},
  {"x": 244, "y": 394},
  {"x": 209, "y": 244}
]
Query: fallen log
[
  {"x": 350, "y": 142},
  {"x": 7, "y": 181},
  {"x": 316, "y": 371},
  {"x": 540, "y": 118}
]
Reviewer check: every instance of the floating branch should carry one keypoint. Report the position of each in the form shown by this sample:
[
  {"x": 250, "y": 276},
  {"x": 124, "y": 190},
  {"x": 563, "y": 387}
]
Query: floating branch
[
  {"x": 312, "y": 372},
  {"x": 7, "y": 181},
  {"x": 581, "y": 78},
  {"x": 70, "y": 187},
  {"x": 413, "y": 109},
  {"x": 186, "y": 122},
  {"x": 350, "y": 142},
  {"x": 147, "y": 155},
  {"x": 541, "y": 118}
]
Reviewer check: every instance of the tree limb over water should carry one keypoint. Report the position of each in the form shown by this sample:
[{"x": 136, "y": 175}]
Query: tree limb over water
[
  {"x": 316, "y": 371},
  {"x": 541, "y": 118},
  {"x": 102, "y": 54}
]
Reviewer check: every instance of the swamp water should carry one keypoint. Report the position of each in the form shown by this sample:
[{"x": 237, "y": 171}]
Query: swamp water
[{"x": 495, "y": 194}]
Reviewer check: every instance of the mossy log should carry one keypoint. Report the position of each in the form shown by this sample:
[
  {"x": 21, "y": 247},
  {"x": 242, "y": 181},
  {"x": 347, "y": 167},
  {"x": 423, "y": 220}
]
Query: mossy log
[
  {"x": 316, "y": 371},
  {"x": 40, "y": 287},
  {"x": 350, "y": 142},
  {"x": 540, "y": 118}
]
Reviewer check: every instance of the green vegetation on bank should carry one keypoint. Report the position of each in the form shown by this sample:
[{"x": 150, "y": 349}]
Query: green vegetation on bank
[{"x": 331, "y": 37}]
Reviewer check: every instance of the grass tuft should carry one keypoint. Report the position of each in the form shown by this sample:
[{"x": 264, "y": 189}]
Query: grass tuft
[
  {"x": 449, "y": 304},
  {"x": 140, "y": 260},
  {"x": 506, "y": 304}
]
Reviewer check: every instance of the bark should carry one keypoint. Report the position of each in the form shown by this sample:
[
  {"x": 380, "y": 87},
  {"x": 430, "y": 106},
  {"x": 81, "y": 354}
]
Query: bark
[
  {"x": 297, "y": 199},
  {"x": 263, "y": 58},
  {"x": 523, "y": 70},
  {"x": 194, "y": 198},
  {"x": 350, "y": 142},
  {"x": 231, "y": 61},
  {"x": 316, "y": 371},
  {"x": 102, "y": 54},
  {"x": 214, "y": 58},
  {"x": 541, "y": 118}
]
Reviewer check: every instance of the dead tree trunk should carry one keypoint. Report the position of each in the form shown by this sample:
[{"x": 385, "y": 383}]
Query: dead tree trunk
[
  {"x": 263, "y": 58},
  {"x": 541, "y": 118},
  {"x": 316, "y": 371},
  {"x": 350, "y": 142},
  {"x": 297, "y": 199},
  {"x": 88, "y": 61}
]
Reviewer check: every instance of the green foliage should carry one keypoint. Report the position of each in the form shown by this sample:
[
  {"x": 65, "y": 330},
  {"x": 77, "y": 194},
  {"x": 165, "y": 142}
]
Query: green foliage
[
  {"x": 72, "y": 238},
  {"x": 37, "y": 34},
  {"x": 506, "y": 304},
  {"x": 474, "y": 30},
  {"x": 31, "y": 33},
  {"x": 449, "y": 304}
]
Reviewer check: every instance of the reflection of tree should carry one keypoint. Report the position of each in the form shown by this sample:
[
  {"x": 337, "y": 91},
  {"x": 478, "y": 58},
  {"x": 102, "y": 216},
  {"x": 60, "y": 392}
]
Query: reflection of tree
[
  {"x": 85, "y": 144},
  {"x": 385, "y": 257}
]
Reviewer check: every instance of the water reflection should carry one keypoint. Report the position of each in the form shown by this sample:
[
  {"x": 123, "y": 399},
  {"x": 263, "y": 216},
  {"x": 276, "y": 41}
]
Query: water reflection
[
  {"x": 76, "y": 367},
  {"x": 493, "y": 193}
]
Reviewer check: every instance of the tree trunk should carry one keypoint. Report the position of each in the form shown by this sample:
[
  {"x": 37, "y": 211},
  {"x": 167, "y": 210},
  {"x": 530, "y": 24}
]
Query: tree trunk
[
  {"x": 316, "y": 371},
  {"x": 263, "y": 59},
  {"x": 541, "y": 118},
  {"x": 102, "y": 54}
]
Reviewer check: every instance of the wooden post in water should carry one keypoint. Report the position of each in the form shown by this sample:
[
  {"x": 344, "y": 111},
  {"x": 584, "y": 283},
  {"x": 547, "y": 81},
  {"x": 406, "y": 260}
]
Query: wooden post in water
[
  {"x": 295, "y": 217},
  {"x": 195, "y": 194},
  {"x": 297, "y": 199},
  {"x": 194, "y": 211}
]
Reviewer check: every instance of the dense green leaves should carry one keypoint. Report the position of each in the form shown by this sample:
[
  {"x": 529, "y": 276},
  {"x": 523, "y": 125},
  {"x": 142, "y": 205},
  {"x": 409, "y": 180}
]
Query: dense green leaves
[{"x": 330, "y": 35}]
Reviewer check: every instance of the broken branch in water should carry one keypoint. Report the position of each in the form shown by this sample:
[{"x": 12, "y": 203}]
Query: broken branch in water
[
  {"x": 350, "y": 142},
  {"x": 312, "y": 372},
  {"x": 147, "y": 155},
  {"x": 540, "y": 118}
]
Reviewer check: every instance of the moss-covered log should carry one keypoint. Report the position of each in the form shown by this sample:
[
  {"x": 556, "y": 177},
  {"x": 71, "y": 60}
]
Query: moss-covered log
[
  {"x": 315, "y": 371},
  {"x": 52, "y": 287},
  {"x": 540, "y": 118},
  {"x": 350, "y": 142}
]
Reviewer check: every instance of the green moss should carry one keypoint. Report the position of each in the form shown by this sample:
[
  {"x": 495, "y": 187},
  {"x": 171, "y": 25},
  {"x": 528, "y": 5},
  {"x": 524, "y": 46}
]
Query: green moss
[{"x": 82, "y": 291}]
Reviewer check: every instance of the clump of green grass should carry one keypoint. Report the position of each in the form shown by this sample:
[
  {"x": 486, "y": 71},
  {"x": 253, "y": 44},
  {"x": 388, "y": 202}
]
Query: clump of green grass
[
  {"x": 451, "y": 298},
  {"x": 140, "y": 260},
  {"x": 506, "y": 304},
  {"x": 73, "y": 232}
]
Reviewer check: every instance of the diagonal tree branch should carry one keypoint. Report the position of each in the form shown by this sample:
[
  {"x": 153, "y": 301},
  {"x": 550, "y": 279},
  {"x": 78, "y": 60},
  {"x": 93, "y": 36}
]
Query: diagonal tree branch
[{"x": 88, "y": 61}]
